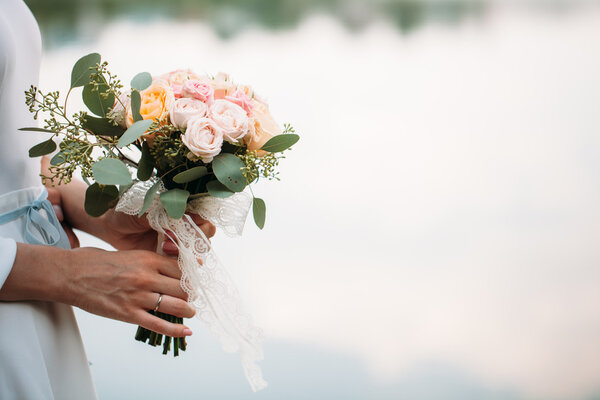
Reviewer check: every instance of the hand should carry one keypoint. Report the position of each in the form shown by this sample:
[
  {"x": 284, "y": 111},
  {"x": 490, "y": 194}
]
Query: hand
[
  {"x": 121, "y": 285},
  {"x": 126, "y": 232},
  {"x": 55, "y": 198}
]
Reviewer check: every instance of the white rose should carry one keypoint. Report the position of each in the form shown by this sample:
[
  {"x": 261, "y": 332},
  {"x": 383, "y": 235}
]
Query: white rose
[
  {"x": 231, "y": 118},
  {"x": 203, "y": 137},
  {"x": 184, "y": 109}
]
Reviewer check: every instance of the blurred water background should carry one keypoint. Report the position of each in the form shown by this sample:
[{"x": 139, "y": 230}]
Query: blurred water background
[{"x": 436, "y": 232}]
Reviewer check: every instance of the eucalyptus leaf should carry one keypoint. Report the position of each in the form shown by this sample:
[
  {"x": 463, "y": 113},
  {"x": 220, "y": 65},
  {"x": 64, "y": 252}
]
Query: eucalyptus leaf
[
  {"x": 41, "y": 149},
  {"x": 190, "y": 175},
  {"x": 141, "y": 81},
  {"x": 80, "y": 75},
  {"x": 259, "y": 212},
  {"x": 58, "y": 159},
  {"x": 134, "y": 132},
  {"x": 32, "y": 129},
  {"x": 136, "y": 102},
  {"x": 175, "y": 202},
  {"x": 228, "y": 170},
  {"x": 146, "y": 164},
  {"x": 217, "y": 189},
  {"x": 102, "y": 127},
  {"x": 111, "y": 171},
  {"x": 149, "y": 197},
  {"x": 100, "y": 198},
  {"x": 280, "y": 142},
  {"x": 94, "y": 100}
]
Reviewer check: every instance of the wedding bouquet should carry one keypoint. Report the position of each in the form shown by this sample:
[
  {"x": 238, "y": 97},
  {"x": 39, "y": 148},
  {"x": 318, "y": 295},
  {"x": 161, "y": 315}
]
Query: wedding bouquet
[{"x": 194, "y": 143}]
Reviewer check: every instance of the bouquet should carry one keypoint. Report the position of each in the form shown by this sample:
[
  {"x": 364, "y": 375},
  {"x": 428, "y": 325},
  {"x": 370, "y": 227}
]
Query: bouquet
[{"x": 170, "y": 145}]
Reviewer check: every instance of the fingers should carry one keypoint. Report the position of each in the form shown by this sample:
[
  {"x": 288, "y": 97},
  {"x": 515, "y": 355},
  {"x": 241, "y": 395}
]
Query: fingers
[
  {"x": 159, "y": 325},
  {"x": 169, "y": 286},
  {"x": 205, "y": 226},
  {"x": 169, "y": 267},
  {"x": 170, "y": 305}
]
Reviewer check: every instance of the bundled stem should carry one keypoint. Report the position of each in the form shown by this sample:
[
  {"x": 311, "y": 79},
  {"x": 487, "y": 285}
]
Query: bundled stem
[{"x": 156, "y": 339}]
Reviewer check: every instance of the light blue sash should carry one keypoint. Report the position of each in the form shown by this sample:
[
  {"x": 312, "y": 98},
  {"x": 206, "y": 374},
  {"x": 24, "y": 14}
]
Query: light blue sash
[{"x": 45, "y": 224}]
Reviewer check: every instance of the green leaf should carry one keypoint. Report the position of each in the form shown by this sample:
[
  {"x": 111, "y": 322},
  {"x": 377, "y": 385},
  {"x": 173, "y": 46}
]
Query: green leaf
[
  {"x": 111, "y": 171},
  {"x": 102, "y": 127},
  {"x": 259, "y": 211},
  {"x": 136, "y": 102},
  {"x": 217, "y": 189},
  {"x": 280, "y": 142},
  {"x": 95, "y": 102},
  {"x": 100, "y": 198},
  {"x": 228, "y": 170},
  {"x": 58, "y": 159},
  {"x": 141, "y": 81},
  {"x": 36, "y": 130},
  {"x": 175, "y": 202},
  {"x": 41, "y": 149},
  {"x": 149, "y": 197},
  {"x": 146, "y": 164},
  {"x": 80, "y": 75},
  {"x": 134, "y": 132},
  {"x": 190, "y": 175}
]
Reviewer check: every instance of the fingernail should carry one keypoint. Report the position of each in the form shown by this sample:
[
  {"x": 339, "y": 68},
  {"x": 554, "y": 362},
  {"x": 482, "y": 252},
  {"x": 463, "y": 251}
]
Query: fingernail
[
  {"x": 187, "y": 332},
  {"x": 58, "y": 211}
]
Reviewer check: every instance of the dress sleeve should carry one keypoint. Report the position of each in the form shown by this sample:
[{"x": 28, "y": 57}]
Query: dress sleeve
[{"x": 8, "y": 249}]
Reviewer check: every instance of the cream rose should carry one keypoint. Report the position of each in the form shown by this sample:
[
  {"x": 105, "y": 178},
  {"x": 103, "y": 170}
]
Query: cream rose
[
  {"x": 119, "y": 110},
  {"x": 198, "y": 90},
  {"x": 156, "y": 101},
  {"x": 263, "y": 129},
  {"x": 185, "y": 109},
  {"x": 231, "y": 118},
  {"x": 204, "y": 138}
]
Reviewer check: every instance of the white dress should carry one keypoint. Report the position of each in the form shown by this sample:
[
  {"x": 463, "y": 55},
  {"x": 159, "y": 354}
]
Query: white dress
[{"x": 41, "y": 352}]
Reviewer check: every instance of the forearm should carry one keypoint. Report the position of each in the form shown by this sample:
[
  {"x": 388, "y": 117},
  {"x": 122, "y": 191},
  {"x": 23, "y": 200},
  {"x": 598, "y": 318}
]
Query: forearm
[{"x": 37, "y": 274}]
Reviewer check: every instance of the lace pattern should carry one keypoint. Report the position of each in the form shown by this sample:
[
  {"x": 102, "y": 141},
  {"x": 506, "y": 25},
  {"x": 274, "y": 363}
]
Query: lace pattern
[{"x": 211, "y": 291}]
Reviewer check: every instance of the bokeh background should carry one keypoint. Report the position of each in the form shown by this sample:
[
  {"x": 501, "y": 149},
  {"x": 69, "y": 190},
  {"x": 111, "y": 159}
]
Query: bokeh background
[{"x": 436, "y": 232}]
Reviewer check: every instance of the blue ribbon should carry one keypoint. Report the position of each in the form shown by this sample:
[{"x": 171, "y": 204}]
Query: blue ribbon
[{"x": 48, "y": 227}]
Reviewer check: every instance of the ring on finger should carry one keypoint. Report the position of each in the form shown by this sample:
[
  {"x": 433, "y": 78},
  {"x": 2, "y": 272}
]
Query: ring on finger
[{"x": 158, "y": 302}]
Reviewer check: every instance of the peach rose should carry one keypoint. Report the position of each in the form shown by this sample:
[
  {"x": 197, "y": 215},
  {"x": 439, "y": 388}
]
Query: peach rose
[
  {"x": 231, "y": 118},
  {"x": 263, "y": 129},
  {"x": 185, "y": 109},
  {"x": 156, "y": 102},
  {"x": 204, "y": 138},
  {"x": 198, "y": 90},
  {"x": 177, "y": 78}
]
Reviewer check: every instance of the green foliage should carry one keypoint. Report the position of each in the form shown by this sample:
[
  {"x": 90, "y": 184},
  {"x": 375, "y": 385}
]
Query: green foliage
[
  {"x": 217, "y": 189},
  {"x": 228, "y": 170},
  {"x": 256, "y": 167},
  {"x": 111, "y": 171},
  {"x": 190, "y": 175},
  {"x": 41, "y": 149},
  {"x": 175, "y": 202},
  {"x": 100, "y": 198},
  {"x": 97, "y": 97},
  {"x": 134, "y": 132},
  {"x": 149, "y": 197},
  {"x": 169, "y": 152},
  {"x": 136, "y": 102},
  {"x": 146, "y": 164},
  {"x": 35, "y": 130},
  {"x": 82, "y": 70},
  {"x": 280, "y": 143},
  {"x": 141, "y": 81},
  {"x": 101, "y": 126},
  {"x": 259, "y": 212}
]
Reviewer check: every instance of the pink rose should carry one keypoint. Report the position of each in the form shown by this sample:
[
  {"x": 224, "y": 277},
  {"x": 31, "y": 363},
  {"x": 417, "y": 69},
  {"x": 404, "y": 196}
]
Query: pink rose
[
  {"x": 204, "y": 138},
  {"x": 241, "y": 99},
  {"x": 185, "y": 109},
  {"x": 195, "y": 89},
  {"x": 231, "y": 118}
]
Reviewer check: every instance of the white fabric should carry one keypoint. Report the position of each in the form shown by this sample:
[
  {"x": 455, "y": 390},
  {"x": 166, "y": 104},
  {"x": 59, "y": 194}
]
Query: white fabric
[
  {"x": 211, "y": 290},
  {"x": 41, "y": 353}
]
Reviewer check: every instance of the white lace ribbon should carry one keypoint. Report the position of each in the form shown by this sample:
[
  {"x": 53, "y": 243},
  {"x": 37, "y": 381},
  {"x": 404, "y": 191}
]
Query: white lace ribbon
[{"x": 211, "y": 291}]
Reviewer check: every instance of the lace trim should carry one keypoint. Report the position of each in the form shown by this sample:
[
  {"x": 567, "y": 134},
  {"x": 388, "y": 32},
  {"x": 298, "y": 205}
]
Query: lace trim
[{"x": 211, "y": 290}]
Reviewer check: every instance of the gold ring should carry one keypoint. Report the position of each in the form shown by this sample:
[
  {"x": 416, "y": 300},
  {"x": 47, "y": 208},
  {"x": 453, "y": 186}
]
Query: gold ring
[{"x": 158, "y": 302}]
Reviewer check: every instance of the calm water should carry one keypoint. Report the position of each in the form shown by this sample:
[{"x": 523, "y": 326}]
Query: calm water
[{"x": 435, "y": 233}]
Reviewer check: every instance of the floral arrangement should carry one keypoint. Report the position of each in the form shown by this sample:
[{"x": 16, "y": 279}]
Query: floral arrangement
[{"x": 194, "y": 143}]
